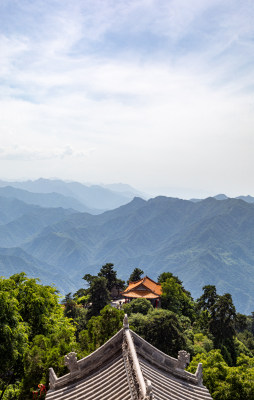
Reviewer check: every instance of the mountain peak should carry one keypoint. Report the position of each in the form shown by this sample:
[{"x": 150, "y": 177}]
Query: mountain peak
[{"x": 220, "y": 196}]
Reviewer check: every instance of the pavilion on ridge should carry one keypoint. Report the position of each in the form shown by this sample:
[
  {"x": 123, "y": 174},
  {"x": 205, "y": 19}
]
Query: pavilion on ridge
[{"x": 145, "y": 288}]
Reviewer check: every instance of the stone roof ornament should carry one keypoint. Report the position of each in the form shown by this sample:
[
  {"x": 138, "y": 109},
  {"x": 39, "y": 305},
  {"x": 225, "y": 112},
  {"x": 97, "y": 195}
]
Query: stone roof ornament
[
  {"x": 126, "y": 322},
  {"x": 199, "y": 374},
  {"x": 52, "y": 378},
  {"x": 72, "y": 362},
  {"x": 183, "y": 359},
  {"x": 149, "y": 390}
]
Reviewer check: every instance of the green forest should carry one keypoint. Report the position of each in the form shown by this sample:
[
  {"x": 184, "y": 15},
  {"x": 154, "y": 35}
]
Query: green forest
[{"x": 38, "y": 328}]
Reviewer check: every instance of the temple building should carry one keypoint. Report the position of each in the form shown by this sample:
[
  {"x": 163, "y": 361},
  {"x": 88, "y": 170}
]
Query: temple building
[
  {"x": 127, "y": 367},
  {"x": 145, "y": 288}
]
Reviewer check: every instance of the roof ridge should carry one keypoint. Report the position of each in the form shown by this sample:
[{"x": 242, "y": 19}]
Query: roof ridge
[
  {"x": 136, "y": 281},
  {"x": 134, "y": 351},
  {"x": 157, "y": 283},
  {"x": 136, "y": 284},
  {"x": 133, "y": 368}
]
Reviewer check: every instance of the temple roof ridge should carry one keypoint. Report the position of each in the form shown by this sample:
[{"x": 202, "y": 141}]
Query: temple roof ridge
[{"x": 127, "y": 364}]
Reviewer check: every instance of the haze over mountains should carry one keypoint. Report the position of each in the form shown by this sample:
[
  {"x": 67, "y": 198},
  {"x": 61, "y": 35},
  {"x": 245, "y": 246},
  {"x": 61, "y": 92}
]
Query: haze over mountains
[
  {"x": 203, "y": 242},
  {"x": 94, "y": 199}
]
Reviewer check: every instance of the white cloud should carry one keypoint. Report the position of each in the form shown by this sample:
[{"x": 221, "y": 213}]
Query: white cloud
[
  {"x": 19, "y": 153},
  {"x": 10, "y": 49},
  {"x": 84, "y": 76}
]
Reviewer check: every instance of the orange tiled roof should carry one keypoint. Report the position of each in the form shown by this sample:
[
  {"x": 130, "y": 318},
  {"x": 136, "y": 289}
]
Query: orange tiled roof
[
  {"x": 144, "y": 294},
  {"x": 145, "y": 287}
]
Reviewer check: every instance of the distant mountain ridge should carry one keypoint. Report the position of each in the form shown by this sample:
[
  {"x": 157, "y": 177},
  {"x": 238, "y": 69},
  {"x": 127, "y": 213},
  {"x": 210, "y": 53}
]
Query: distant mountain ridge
[
  {"x": 247, "y": 199},
  {"x": 205, "y": 242},
  {"x": 45, "y": 199},
  {"x": 93, "y": 198}
]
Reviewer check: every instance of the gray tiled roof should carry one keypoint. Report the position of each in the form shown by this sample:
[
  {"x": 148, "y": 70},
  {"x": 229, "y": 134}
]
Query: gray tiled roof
[
  {"x": 108, "y": 383},
  {"x": 127, "y": 368},
  {"x": 168, "y": 387}
]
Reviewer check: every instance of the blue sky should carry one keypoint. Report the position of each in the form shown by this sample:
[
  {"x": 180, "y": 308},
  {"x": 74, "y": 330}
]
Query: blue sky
[{"x": 158, "y": 94}]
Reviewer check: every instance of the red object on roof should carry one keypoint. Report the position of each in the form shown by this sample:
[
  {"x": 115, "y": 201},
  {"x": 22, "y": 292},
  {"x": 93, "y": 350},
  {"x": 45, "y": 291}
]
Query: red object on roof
[{"x": 144, "y": 288}]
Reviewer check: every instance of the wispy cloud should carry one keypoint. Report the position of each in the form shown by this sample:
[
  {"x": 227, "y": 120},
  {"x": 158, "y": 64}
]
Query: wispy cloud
[
  {"x": 20, "y": 153},
  {"x": 169, "y": 82}
]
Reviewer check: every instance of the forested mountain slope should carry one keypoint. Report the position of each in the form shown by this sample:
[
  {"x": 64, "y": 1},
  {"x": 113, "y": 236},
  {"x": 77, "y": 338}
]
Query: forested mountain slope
[{"x": 208, "y": 242}]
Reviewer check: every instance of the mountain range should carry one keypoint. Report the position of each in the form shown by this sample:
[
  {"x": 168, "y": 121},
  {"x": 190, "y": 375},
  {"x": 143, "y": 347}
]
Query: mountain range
[
  {"x": 202, "y": 242},
  {"x": 57, "y": 193}
]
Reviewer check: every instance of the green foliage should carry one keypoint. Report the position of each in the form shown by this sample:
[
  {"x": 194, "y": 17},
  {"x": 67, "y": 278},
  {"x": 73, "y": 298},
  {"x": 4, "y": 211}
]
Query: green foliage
[
  {"x": 135, "y": 275},
  {"x": 101, "y": 328},
  {"x": 12, "y": 392},
  {"x": 247, "y": 339},
  {"x": 36, "y": 332},
  {"x": 138, "y": 323},
  {"x": 214, "y": 368},
  {"x": 161, "y": 328},
  {"x": 108, "y": 272},
  {"x": 34, "y": 335},
  {"x": 208, "y": 299},
  {"x": 89, "y": 278},
  {"x": 112, "y": 282},
  {"x": 241, "y": 322},
  {"x": 14, "y": 339},
  {"x": 224, "y": 382},
  {"x": 165, "y": 275},
  {"x": 141, "y": 306},
  {"x": 76, "y": 312},
  {"x": 241, "y": 348},
  {"x": 99, "y": 295},
  {"x": 222, "y": 322},
  {"x": 202, "y": 344},
  {"x": 175, "y": 298},
  {"x": 45, "y": 352},
  {"x": 217, "y": 316},
  {"x": 37, "y": 303}
]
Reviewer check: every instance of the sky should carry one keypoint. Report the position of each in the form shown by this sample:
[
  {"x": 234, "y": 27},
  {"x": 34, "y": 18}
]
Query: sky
[{"x": 158, "y": 94}]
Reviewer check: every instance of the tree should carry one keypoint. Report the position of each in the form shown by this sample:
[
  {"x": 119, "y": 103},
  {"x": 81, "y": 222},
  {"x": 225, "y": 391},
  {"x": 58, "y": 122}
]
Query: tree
[
  {"x": 36, "y": 303},
  {"x": 204, "y": 306},
  {"x": 74, "y": 310},
  {"x": 218, "y": 312},
  {"x": 215, "y": 370},
  {"x": 13, "y": 343},
  {"x": 70, "y": 307},
  {"x": 135, "y": 275},
  {"x": 247, "y": 339},
  {"x": 89, "y": 278},
  {"x": 176, "y": 299},
  {"x": 165, "y": 275},
  {"x": 82, "y": 296},
  {"x": 208, "y": 298},
  {"x": 101, "y": 328},
  {"x": 34, "y": 335},
  {"x": 241, "y": 322},
  {"x": 202, "y": 344},
  {"x": 108, "y": 272},
  {"x": 224, "y": 382},
  {"x": 45, "y": 352},
  {"x": 99, "y": 295},
  {"x": 141, "y": 306},
  {"x": 110, "y": 275},
  {"x": 222, "y": 325},
  {"x": 162, "y": 329},
  {"x": 120, "y": 284}
]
